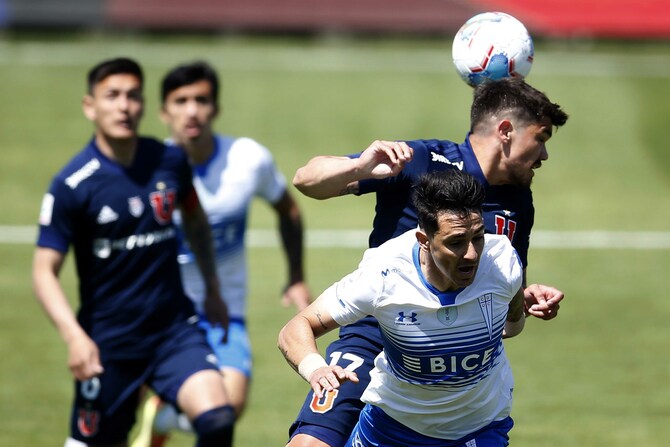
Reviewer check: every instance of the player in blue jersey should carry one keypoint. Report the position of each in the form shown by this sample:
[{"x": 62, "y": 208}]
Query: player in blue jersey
[
  {"x": 510, "y": 124},
  {"x": 229, "y": 173},
  {"x": 114, "y": 203},
  {"x": 445, "y": 295}
]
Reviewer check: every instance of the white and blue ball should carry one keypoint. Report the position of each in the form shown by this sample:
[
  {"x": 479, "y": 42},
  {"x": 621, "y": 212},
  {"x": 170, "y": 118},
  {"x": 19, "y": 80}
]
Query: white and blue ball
[{"x": 492, "y": 45}]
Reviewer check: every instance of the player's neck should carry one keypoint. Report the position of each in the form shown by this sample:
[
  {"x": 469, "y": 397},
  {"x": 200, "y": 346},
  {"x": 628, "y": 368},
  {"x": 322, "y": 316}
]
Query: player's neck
[
  {"x": 119, "y": 151},
  {"x": 489, "y": 159},
  {"x": 433, "y": 275},
  {"x": 200, "y": 150}
]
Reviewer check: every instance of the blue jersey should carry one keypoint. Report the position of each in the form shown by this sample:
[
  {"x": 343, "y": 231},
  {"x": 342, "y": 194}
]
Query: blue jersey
[
  {"x": 507, "y": 209},
  {"x": 119, "y": 222}
]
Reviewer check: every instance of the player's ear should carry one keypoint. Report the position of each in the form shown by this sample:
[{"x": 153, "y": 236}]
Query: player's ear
[
  {"x": 422, "y": 239},
  {"x": 88, "y": 108},
  {"x": 504, "y": 130}
]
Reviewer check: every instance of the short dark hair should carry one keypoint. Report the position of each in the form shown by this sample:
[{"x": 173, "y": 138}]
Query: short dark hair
[
  {"x": 106, "y": 68},
  {"x": 450, "y": 191},
  {"x": 517, "y": 97},
  {"x": 188, "y": 74}
]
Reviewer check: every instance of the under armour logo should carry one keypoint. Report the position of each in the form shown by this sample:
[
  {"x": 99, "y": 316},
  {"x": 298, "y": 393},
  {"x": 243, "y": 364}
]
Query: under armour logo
[{"x": 411, "y": 318}]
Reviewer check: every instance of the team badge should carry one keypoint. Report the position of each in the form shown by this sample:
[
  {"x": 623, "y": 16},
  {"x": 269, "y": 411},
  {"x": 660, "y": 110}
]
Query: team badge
[
  {"x": 163, "y": 203},
  {"x": 135, "y": 206},
  {"x": 88, "y": 422},
  {"x": 447, "y": 315}
]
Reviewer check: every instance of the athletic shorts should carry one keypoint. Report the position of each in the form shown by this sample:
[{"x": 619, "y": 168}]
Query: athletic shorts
[
  {"x": 236, "y": 353},
  {"x": 104, "y": 407},
  {"x": 378, "y": 429},
  {"x": 333, "y": 417}
]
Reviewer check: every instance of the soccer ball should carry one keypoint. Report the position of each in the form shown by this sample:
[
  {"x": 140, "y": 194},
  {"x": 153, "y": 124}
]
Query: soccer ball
[{"x": 492, "y": 45}]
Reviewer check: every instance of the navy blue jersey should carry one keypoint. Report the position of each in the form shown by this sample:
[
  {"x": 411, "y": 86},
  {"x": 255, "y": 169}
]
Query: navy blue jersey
[
  {"x": 507, "y": 209},
  {"x": 119, "y": 222}
]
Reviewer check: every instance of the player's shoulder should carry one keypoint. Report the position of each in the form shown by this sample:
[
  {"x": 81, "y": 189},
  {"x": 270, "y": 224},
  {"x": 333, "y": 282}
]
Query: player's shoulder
[
  {"x": 500, "y": 256},
  {"x": 83, "y": 165},
  {"x": 396, "y": 251}
]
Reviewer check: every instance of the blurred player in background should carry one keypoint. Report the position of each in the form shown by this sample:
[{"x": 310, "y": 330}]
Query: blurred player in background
[
  {"x": 228, "y": 173},
  {"x": 510, "y": 124},
  {"x": 114, "y": 202},
  {"x": 445, "y": 295}
]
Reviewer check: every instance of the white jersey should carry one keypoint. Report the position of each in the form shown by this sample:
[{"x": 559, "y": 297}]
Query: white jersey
[
  {"x": 443, "y": 372},
  {"x": 239, "y": 170}
]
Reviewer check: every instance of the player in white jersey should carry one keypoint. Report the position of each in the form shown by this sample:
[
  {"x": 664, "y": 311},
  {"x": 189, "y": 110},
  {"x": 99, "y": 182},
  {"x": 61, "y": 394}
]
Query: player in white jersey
[
  {"x": 228, "y": 174},
  {"x": 445, "y": 296}
]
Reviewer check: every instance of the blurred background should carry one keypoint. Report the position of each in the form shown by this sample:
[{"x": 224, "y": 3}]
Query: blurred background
[
  {"x": 309, "y": 77},
  {"x": 555, "y": 18}
]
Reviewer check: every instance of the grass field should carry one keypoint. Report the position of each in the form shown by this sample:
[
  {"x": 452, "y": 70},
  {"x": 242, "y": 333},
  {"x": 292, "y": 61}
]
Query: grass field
[{"x": 594, "y": 377}]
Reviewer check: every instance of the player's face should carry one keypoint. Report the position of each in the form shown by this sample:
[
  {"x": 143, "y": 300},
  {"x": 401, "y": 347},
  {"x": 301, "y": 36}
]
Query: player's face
[
  {"x": 527, "y": 152},
  {"x": 188, "y": 111},
  {"x": 455, "y": 249},
  {"x": 115, "y": 106}
]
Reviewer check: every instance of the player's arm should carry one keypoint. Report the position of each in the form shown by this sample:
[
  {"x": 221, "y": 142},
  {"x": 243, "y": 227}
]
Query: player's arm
[
  {"x": 198, "y": 234},
  {"x": 83, "y": 354},
  {"x": 297, "y": 341},
  {"x": 515, "y": 316},
  {"x": 291, "y": 231},
  {"x": 325, "y": 176}
]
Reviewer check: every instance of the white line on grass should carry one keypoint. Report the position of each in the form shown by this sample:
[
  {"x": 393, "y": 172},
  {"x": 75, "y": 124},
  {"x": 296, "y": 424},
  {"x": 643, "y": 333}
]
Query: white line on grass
[
  {"x": 556, "y": 240},
  {"x": 344, "y": 58}
]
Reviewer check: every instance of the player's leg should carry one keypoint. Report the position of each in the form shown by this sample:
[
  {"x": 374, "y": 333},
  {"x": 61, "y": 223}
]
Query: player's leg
[
  {"x": 234, "y": 358},
  {"x": 187, "y": 376},
  {"x": 104, "y": 407},
  {"x": 329, "y": 421}
]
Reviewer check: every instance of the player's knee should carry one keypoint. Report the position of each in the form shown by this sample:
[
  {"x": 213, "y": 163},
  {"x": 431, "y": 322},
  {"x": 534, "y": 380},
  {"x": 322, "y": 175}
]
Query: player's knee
[{"x": 215, "y": 427}]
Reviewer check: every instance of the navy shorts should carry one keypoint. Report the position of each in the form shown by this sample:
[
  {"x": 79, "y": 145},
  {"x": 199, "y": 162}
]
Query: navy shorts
[
  {"x": 104, "y": 407},
  {"x": 332, "y": 418}
]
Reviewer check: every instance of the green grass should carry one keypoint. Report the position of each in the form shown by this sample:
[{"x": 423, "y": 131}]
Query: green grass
[{"x": 593, "y": 377}]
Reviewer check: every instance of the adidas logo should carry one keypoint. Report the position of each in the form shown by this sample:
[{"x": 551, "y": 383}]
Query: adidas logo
[{"x": 107, "y": 215}]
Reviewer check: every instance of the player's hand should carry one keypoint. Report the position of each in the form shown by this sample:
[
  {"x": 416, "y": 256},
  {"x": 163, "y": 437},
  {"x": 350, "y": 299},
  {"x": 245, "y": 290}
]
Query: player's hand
[
  {"x": 297, "y": 294},
  {"x": 328, "y": 378},
  {"x": 84, "y": 358},
  {"x": 216, "y": 312},
  {"x": 385, "y": 158},
  {"x": 542, "y": 301}
]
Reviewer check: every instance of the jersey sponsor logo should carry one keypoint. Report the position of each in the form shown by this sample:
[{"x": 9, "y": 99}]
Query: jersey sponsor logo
[
  {"x": 406, "y": 319},
  {"x": 135, "y": 206},
  {"x": 46, "y": 210},
  {"x": 106, "y": 215},
  {"x": 450, "y": 364},
  {"x": 83, "y": 173},
  {"x": 103, "y": 248},
  {"x": 88, "y": 422},
  {"x": 163, "y": 202},
  {"x": 442, "y": 159},
  {"x": 447, "y": 315}
]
